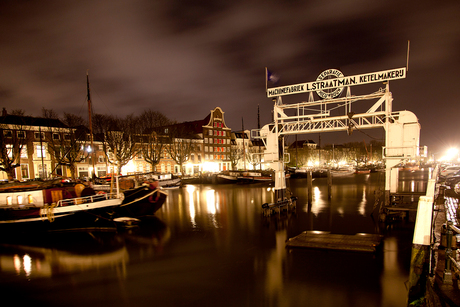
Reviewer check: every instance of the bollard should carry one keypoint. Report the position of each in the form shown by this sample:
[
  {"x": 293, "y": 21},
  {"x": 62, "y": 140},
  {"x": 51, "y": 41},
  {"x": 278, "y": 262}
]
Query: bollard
[
  {"x": 329, "y": 184},
  {"x": 447, "y": 276}
]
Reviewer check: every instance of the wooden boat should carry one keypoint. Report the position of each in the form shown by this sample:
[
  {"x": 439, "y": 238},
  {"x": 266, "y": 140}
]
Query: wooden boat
[
  {"x": 255, "y": 176},
  {"x": 362, "y": 170},
  {"x": 228, "y": 177},
  {"x": 342, "y": 172},
  {"x": 51, "y": 205},
  {"x": 142, "y": 201},
  {"x": 42, "y": 203}
]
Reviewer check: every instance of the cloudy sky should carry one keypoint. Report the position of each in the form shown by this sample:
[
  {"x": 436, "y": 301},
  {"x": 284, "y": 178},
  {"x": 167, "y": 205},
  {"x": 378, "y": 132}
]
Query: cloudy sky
[{"x": 184, "y": 58}]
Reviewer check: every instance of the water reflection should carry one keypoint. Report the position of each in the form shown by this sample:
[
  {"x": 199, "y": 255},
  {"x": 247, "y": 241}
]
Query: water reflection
[
  {"x": 363, "y": 203},
  {"x": 211, "y": 245},
  {"x": 50, "y": 254}
]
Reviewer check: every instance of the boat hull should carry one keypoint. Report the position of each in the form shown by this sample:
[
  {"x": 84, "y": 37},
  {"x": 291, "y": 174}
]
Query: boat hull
[{"x": 142, "y": 201}]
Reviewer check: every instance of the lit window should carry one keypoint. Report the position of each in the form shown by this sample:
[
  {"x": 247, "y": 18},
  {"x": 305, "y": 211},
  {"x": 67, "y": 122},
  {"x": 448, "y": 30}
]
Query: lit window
[{"x": 41, "y": 153}]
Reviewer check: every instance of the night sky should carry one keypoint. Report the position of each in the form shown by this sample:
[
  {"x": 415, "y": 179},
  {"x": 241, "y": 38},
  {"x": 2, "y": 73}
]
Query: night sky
[{"x": 184, "y": 58}]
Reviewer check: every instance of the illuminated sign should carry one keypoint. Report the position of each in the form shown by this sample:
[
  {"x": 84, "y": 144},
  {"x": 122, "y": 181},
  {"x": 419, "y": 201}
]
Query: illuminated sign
[{"x": 329, "y": 87}]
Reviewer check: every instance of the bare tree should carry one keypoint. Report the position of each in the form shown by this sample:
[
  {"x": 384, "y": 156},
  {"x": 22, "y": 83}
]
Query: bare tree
[
  {"x": 49, "y": 113},
  {"x": 74, "y": 121},
  {"x": 119, "y": 138},
  {"x": 65, "y": 146},
  {"x": 19, "y": 112},
  {"x": 180, "y": 147},
  {"x": 235, "y": 156},
  {"x": 12, "y": 143},
  {"x": 152, "y": 119},
  {"x": 152, "y": 147},
  {"x": 152, "y": 144}
]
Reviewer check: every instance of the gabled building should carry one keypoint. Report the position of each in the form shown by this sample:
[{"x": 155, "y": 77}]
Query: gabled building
[{"x": 209, "y": 140}]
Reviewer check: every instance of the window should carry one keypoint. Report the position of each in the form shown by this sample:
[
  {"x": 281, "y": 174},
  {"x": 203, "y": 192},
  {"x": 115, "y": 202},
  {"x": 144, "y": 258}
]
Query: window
[
  {"x": 21, "y": 134},
  {"x": 41, "y": 153},
  {"x": 25, "y": 171},
  {"x": 56, "y": 136},
  {"x": 67, "y": 137},
  {"x": 7, "y": 133},
  {"x": 38, "y": 134},
  {"x": 209, "y": 132},
  {"x": 101, "y": 159},
  {"x": 24, "y": 151},
  {"x": 9, "y": 150}
]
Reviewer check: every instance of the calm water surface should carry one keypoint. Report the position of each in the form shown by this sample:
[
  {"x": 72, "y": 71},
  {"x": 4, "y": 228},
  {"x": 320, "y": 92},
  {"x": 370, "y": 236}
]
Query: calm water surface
[{"x": 210, "y": 245}]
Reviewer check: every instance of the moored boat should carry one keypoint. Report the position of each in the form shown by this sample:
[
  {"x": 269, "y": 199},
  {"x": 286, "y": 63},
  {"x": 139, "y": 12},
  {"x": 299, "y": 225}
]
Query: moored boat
[
  {"x": 254, "y": 176},
  {"x": 142, "y": 201},
  {"x": 342, "y": 172},
  {"x": 362, "y": 170},
  {"x": 42, "y": 203},
  {"x": 228, "y": 177}
]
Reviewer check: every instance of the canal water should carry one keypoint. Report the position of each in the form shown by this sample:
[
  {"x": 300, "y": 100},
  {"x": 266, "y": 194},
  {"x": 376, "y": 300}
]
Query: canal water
[{"x": 210, "y": 245}]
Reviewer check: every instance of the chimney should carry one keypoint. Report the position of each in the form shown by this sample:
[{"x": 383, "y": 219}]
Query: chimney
[{"x": 4, "y": 113}]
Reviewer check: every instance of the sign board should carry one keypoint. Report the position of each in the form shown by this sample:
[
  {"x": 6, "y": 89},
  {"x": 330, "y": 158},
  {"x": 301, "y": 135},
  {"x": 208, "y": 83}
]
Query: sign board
[{"x": 330, "y": 88}]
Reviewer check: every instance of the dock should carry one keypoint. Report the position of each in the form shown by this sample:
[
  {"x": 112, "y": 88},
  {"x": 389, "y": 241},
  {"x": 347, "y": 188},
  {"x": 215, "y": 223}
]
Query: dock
[
  {"x": 401, "y": 203},
  {"x": 361, "y": 242}
]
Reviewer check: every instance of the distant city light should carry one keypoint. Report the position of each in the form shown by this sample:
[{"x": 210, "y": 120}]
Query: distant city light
[{"x": 451, "y": 155}]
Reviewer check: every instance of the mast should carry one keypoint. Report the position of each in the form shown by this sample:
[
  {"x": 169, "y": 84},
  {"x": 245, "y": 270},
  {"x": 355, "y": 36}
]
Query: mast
[
  {"x": 244, "y": 149},
  {"x": 90, "y": 124}
]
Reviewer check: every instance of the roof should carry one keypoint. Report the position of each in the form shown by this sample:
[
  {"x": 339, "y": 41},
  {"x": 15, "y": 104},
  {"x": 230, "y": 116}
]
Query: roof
[
  {"x": 192, "y": 127},
  {"x": 31, "y": 121},
  {"x": 301, "y": 143}
]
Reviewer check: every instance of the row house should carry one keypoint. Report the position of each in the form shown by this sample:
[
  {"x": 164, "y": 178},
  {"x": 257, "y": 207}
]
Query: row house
[
  {"x": 44, "y": 142},
  {"x": 25, "y": 141}
]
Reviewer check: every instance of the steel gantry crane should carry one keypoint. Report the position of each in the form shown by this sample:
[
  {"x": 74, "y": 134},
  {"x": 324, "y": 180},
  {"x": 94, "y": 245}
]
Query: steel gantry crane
[{"x": 332, "y": 113}]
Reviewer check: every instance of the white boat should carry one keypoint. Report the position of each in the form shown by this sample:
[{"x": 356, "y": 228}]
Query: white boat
[{"x": 342, "y": 172}]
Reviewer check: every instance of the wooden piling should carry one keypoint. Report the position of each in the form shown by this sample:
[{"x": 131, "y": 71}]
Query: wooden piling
[{"x": 310, "y": 187}]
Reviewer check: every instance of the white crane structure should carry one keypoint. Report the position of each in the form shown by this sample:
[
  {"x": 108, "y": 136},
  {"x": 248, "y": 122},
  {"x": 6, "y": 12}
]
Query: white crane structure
[{"x": 330, "y": 114}]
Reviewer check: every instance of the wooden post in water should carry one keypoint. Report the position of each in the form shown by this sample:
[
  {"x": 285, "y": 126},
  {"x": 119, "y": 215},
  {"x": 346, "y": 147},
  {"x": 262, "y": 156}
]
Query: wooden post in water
[
  {"x": 329, "y": 184},
  {"x": 309, "y": 187}
]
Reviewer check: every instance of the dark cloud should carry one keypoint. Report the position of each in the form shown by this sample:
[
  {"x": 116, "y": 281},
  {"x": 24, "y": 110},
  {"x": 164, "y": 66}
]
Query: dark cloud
[{"x": 184, "y": 58}]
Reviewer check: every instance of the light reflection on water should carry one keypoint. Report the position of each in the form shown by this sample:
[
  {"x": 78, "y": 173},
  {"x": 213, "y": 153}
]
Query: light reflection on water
[{"x": 211, "y": 245}]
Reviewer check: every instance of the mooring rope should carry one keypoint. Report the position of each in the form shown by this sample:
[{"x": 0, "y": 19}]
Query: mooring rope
[
  {"x": 145, "y": 196},
  {"x": 48, "y": 211}
]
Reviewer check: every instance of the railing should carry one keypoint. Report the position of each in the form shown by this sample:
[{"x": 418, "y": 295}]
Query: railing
[{"x": 86, "y": 199}]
